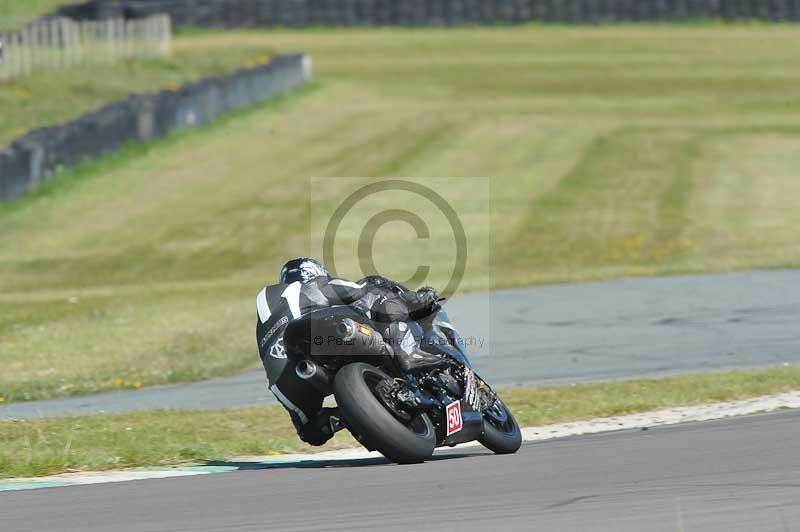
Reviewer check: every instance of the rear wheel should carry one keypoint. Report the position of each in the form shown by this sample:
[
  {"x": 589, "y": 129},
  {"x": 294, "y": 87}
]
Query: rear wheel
[
  {"x": 501, "y": 432},
  {"x": 363, "y": 395}
]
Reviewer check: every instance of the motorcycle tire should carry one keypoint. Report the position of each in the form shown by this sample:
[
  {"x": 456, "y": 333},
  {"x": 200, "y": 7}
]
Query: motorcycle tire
[
  {"x": 372, "y": 423},
  {"x": 501, "y": 432}
]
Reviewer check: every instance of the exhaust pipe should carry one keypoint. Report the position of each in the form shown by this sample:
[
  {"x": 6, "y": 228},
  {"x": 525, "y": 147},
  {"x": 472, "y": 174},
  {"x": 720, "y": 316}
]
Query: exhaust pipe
[
  {"x": 315, "y": 375},
  {"x": 361, "y": 339}
]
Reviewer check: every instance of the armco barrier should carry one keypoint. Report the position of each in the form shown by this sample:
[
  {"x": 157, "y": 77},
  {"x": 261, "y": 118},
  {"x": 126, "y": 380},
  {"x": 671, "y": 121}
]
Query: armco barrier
[
  {"x": 30, "y": 159},
  {"x": 243, "y": 13}
]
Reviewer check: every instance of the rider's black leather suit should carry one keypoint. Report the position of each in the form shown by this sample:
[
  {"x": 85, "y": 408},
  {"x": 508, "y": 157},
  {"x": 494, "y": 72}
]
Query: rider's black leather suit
[{"x": 382, "y": 301}]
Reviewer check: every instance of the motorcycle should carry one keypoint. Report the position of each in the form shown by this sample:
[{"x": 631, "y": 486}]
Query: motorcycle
[{"x": 403, "y": 415}]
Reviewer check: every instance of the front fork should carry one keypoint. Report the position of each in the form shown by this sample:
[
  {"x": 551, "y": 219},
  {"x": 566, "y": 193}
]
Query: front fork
[{"x": 409, "y": 392}]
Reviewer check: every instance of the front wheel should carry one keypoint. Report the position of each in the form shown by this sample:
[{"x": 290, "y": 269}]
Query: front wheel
[
  {"x": 362, "y": 394},
  {"x": 501, "y": 432}
]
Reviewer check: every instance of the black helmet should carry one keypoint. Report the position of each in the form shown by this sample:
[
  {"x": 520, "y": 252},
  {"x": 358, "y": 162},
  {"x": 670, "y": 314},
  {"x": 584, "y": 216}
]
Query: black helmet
[{"x": 303, "y": 269}]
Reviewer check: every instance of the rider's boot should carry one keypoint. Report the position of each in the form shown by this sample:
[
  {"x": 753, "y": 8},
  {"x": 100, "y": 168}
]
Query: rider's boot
[
  {"x": 321, "y": 428},
  {"x": 417, "y": 360},
  {"x": 407, "y": 354}
]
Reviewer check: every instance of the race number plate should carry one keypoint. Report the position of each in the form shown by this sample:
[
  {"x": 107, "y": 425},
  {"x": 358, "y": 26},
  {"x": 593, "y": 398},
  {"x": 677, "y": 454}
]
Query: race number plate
[{"x": 454, "y": 421}]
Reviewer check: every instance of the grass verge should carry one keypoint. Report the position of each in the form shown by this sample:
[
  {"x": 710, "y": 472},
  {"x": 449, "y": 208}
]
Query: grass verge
[
  {"x": 50, "y": 446},
  {"x": 184, "y": 343}
]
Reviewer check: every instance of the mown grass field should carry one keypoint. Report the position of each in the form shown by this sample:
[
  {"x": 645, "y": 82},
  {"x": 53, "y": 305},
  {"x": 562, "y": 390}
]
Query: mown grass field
[
  {"x": 15, "y": 13},
  {"x": 610, "y": 152},
  {"x": 93, "y": 443}
]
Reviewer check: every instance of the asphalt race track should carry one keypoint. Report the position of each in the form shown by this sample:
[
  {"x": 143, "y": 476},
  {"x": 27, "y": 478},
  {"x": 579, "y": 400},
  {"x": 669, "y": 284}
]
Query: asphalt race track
[
  {"x": 737, "y": 474},
  {"x": 727, "y": 475},
  {"x": 560, "y": 333}
]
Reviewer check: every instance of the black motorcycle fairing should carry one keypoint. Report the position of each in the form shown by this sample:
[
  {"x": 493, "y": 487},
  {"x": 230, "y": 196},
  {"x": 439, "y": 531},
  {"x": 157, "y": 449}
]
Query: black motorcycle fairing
[
  {"x": 458, "y": 403},
  {"x": 442, "y": 338},
  {"x": 472, "y": 428}
]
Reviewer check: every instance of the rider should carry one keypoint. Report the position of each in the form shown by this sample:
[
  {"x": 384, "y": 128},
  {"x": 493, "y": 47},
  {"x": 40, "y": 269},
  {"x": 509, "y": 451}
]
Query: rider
[{"x": 304, "y": 285}]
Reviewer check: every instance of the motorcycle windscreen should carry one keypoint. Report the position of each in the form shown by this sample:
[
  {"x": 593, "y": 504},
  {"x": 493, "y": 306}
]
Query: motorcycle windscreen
[{"x": 444, "y": 339}]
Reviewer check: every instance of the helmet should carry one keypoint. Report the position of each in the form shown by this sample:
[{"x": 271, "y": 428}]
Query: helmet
[{"x": 303, "y": 269}]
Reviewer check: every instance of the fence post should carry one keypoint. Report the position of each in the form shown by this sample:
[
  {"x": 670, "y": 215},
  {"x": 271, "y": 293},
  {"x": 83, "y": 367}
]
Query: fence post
[
  {"x": 44, "y": 48},
  {"x": 61, "y": 43},
  {"x": 155, "y": 35},
  {"x": 112, "y": 48},
  {"x": 67, "y": 46},
  {"x": 25, "y": 48},
  {"x": 74, "y": 37},
  {"x": 128, "y": 38},
  {"x": 40, "y": 46},
  {"x": 80, "y": 29},
  {"x": 53, "y": 51},
  {"x": 3, "y": 56},
  {"x": 17, "y": 55},
  {"x": 120, "y": 34},
  {"x": 133, "y": 36},
  {"x": 32, "y": 39},
  {"x": 166, "y": 34},
  {"x": 141, "y": 37},
  {"x": 152, "y": 35},
  {"x": 101, "y": 29}
]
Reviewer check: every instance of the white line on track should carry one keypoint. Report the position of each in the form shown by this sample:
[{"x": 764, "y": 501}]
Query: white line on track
[{"x": 667, "y": 416}]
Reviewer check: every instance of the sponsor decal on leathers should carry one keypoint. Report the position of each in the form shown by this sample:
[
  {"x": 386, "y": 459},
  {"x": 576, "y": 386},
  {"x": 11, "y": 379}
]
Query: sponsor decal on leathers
[{"x": 277, "y": 350}]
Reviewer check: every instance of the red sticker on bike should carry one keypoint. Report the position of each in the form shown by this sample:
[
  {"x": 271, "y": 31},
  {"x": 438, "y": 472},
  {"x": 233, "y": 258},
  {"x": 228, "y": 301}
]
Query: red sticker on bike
[{"x": 454, "y": 421}]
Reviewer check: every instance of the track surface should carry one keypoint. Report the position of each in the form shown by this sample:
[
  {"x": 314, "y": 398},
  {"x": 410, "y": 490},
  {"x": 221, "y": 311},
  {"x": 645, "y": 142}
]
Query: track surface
[
  {"x": 738, "y": 474},
  {"x": 560, "y": 333}
]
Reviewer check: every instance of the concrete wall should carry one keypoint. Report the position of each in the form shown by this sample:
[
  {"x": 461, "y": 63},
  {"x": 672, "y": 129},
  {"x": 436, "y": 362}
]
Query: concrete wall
[
  {"x": 32, "y": 158},
  {"x": 243, "y": 13}
]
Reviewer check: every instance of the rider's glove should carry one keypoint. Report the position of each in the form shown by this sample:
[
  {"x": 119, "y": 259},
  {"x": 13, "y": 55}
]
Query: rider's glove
[
  {"x": 428, "y": 296},
  {"x": 426, "y": 304}
]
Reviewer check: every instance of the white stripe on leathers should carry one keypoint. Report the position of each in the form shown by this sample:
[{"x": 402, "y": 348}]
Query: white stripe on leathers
[
  {"x": 263, "y": 308},
  {"x": 288, "y": 404},
  {"x": 342, "y": 282}
]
